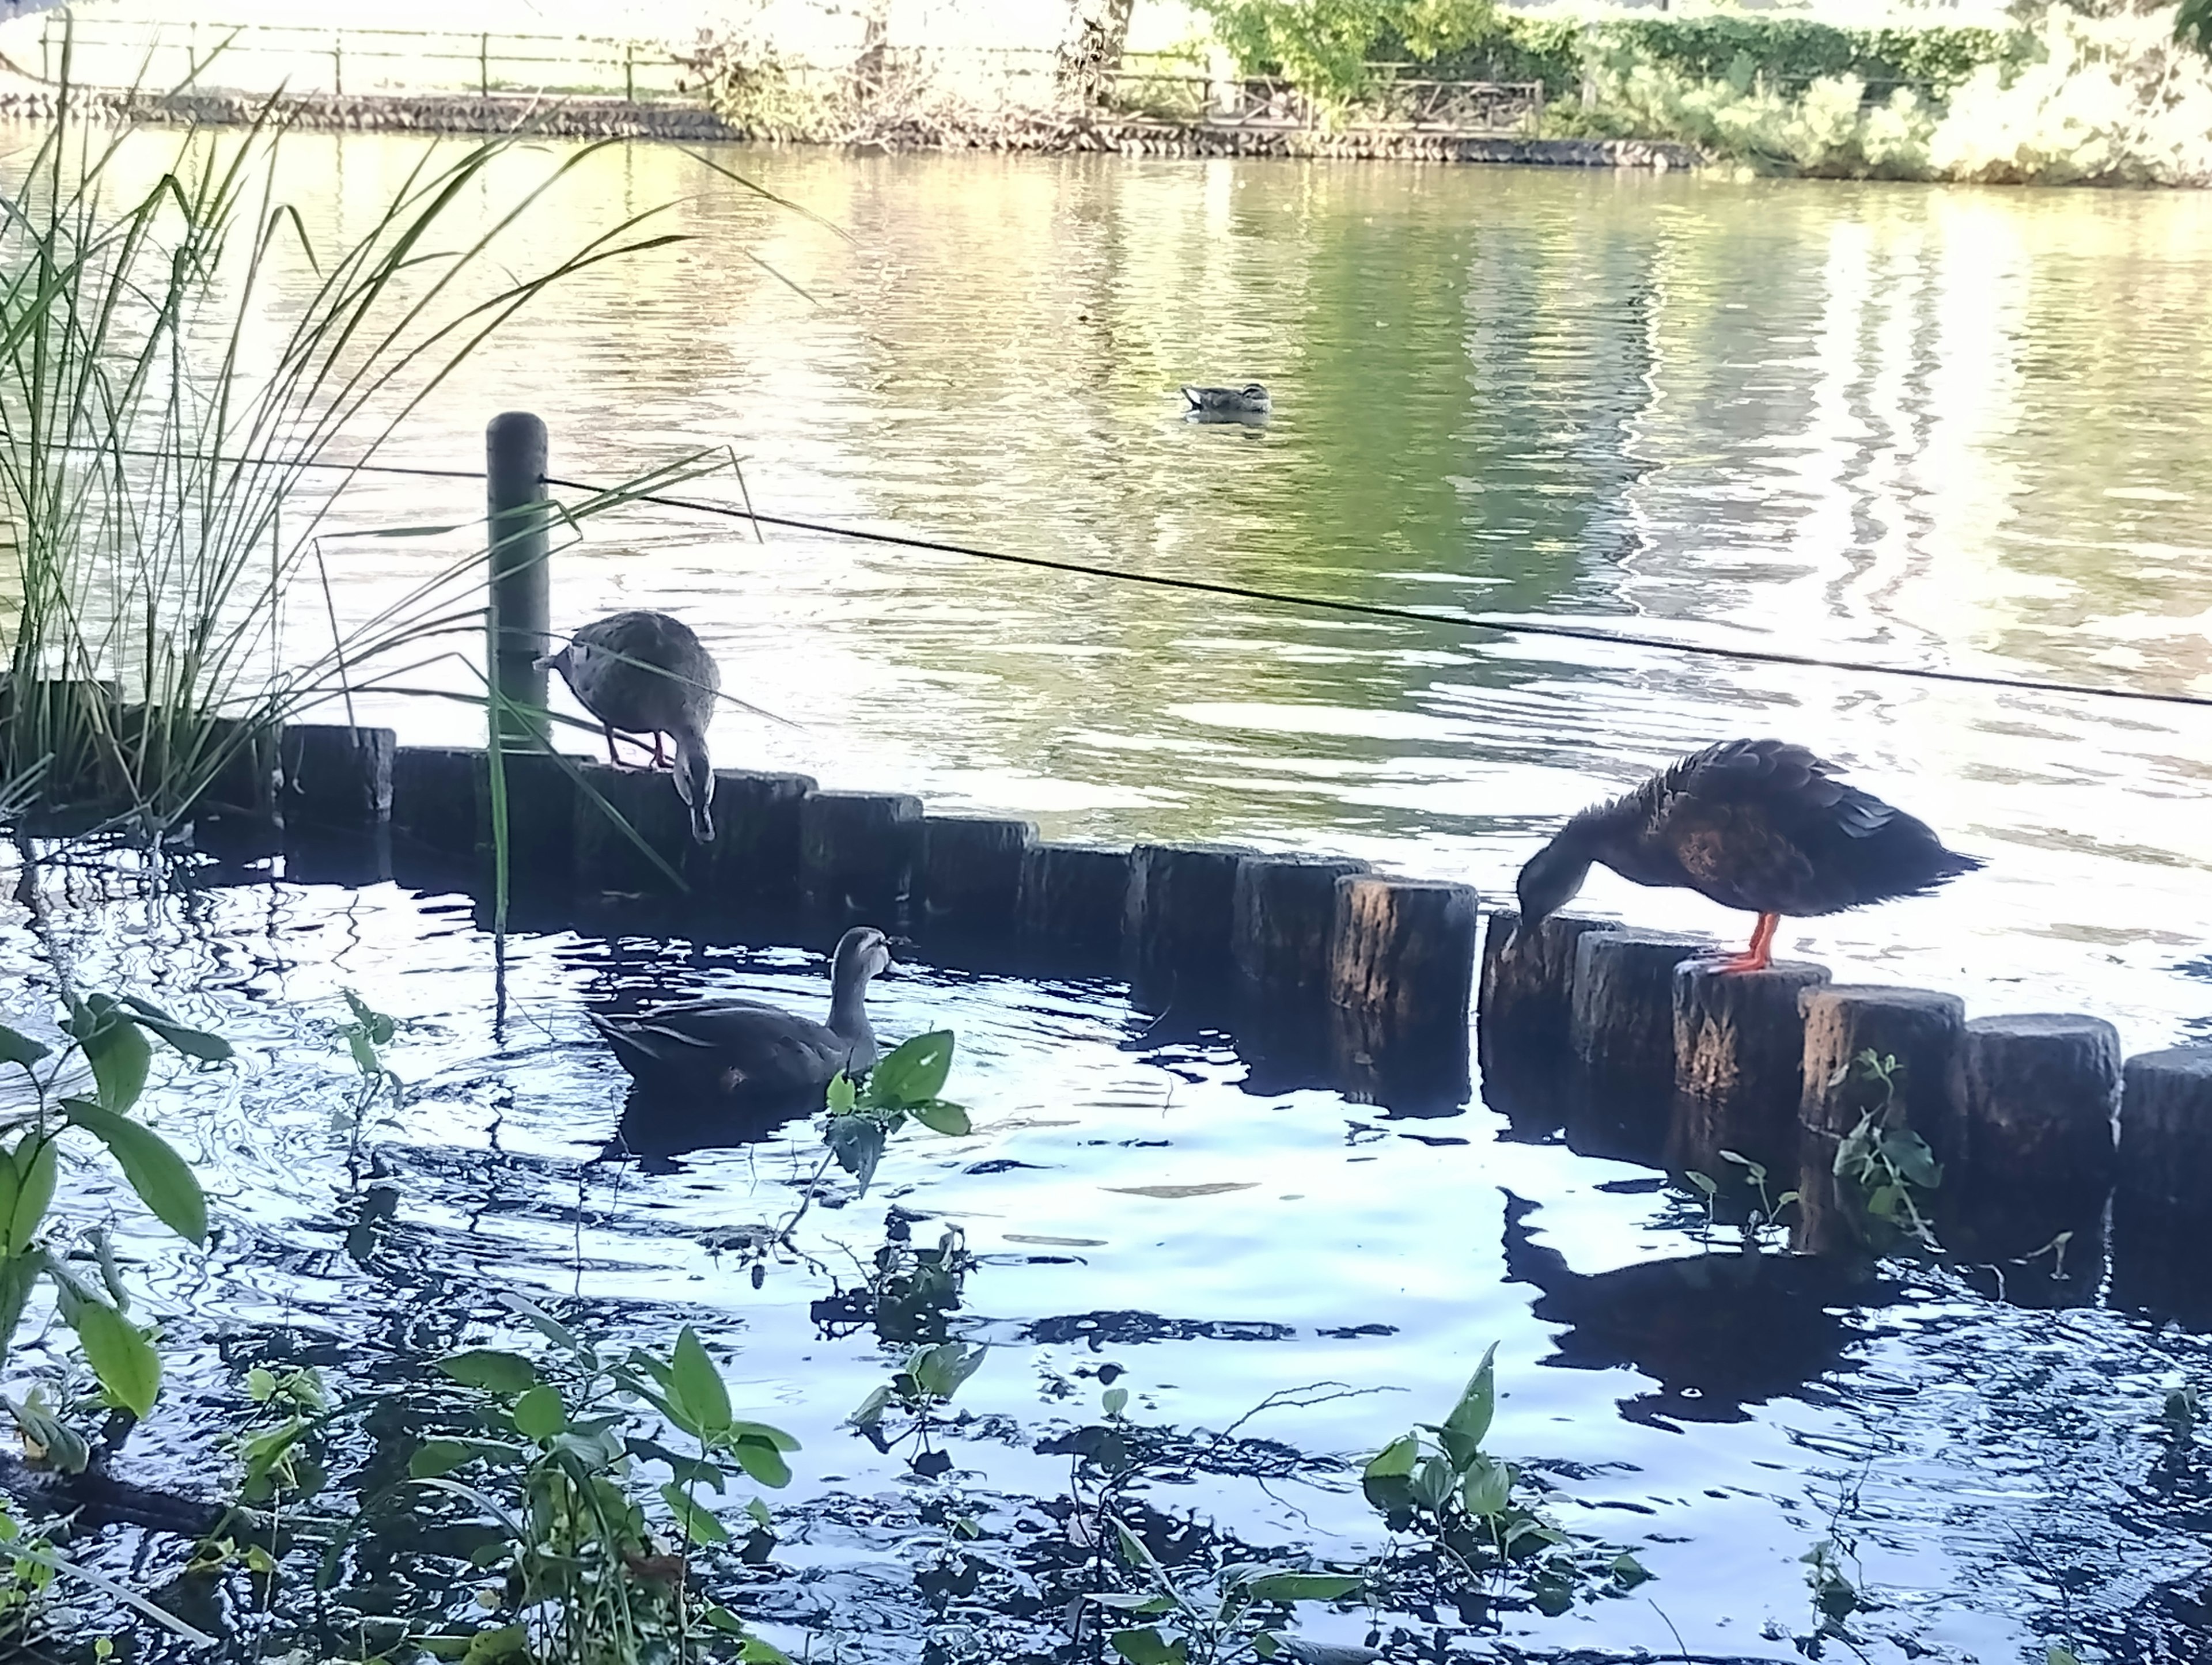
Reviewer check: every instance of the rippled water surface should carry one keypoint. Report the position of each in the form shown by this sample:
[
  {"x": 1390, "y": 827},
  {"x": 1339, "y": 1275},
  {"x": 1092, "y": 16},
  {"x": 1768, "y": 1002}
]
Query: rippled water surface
[{"x": 1925, "y": 427}]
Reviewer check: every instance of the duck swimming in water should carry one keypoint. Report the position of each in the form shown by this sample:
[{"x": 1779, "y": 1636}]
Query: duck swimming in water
[
  {"x": 645, "y": 674},
  {"x": 1249, "y": 400},
  {"x": 734, "y": 1049},
  {"x": 1757, "y": 824}
]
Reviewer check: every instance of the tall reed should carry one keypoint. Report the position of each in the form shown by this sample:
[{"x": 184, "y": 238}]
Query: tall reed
[{"x": 180, "y": 366}]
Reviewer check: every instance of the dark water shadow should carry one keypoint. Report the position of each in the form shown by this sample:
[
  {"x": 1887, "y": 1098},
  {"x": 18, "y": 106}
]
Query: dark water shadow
[{"x": 657, "y": 1127}]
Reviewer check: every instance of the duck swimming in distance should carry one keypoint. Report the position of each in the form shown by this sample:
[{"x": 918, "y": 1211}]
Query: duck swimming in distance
[
  {"x": 646, "y": 673},
  {"x": 1757, "y": 824},
  {"x": 737, "y": 1050},
  {"x": 1249, "y": 400}
]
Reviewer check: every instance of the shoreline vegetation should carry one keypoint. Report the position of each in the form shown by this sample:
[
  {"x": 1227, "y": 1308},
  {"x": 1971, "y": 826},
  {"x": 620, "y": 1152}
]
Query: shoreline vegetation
[{"x": 2090, "y": 92}]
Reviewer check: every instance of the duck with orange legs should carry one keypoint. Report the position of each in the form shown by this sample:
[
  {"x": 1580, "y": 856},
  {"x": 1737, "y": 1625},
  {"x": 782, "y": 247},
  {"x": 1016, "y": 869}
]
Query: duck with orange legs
[{"x": 1757, "y": 824}]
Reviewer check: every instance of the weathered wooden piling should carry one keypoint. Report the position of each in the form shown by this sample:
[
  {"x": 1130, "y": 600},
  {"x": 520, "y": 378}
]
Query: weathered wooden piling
[
  {"x": 433, "y": 798},
  {"x": 1526, "y": 999},
  {"x": 335, "y": 775},
  {"x": 1073, "y": 905},
  {"x": 2028, "y": 1134},
  {"x": 2162, "y": 1202},
  {"x": 1913, "y": 1035},
  {"x": 753, "y": 863},
  {"x": 245, "y": 770},
  {"x": 633, "y": 833},
  {"x": 1622, "y": 1016},
  {"x": 518, "y": 514},
  {"x": 857, "y": 855},
  {"x": 971, "y": 874},
  {"x": 539, "y": 790},
  {"x": 1182, "y": 905},
  {"x": 1739, "y": 1064},
  {"x": 1282, "y": 924},
  {"x": 1401, "y": 982}
]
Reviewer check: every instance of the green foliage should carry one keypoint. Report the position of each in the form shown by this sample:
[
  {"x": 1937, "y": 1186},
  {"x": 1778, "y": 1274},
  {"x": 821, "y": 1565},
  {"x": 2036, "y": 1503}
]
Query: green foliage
[
  {"x": 1197, "y": 1619},
  {"x": 904, "y": 1086},
  {"x": 2192, "y": 25},
  {"x": 1884, "y": 1170},
  {"x": 1326, "y": 47}
]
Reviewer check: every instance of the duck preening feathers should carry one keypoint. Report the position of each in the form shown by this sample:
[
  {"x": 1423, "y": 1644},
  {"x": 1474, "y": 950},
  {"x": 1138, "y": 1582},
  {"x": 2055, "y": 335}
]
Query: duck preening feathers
[
  {"x": 1249, "y": 400},
  {"x": 734, "y": 1049},
  {"x": 645, "y": 674},
  {"x": 1757, "y": 824}
]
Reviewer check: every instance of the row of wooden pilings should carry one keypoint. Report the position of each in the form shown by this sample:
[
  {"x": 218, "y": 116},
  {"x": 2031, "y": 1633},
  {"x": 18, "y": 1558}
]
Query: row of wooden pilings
[
  {"x": 2051, "y": 1146},
  {"x": 1329, "y": 973}
]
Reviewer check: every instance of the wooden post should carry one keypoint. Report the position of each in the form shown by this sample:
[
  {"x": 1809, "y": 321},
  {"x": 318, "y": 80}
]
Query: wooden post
[
  {"x": 857, "y": 855},
  {"x": 1526, "y": 1000},
  {"x": 244, "y": 782},
  {"x": 2162, "y": 1208},
  {"x": 1739, "y": 1064},
  {"x": 541, "y": 819},
  {"x": 971, "y": 874},
  {"x": 1182, "y": 899},
  {"x": 434, "y": 801},
  {"x": 1920, "y": 1028},
  {"x": 753, "y": 865},
  {"x": 2028, "y": 1141},
  {"x": 519, "y": 522},
  {"x": 336, "y": 776},
  {"x": 1282, "y": 927},
  {"x": 1401, "y": 978},
  {"x": 1073, "y": 905},
  {"x": 1622, "y": 1016},
  {"x": 608, "y": 858}
]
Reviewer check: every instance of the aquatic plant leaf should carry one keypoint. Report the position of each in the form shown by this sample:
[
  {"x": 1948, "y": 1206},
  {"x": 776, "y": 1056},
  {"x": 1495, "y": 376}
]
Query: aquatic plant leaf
[
  {"x": 495, "y": 1646},
  {"x": 539, "y": 1414},
  {"x": 1628, "y": 1572},
  {"x": 940, "y": 1369},
  {"x": 760, "y": 1431},
  {"x": 1327, "y": 1653},
  {"x": 163, "y": 1179},
  {"x": 63, "y": 1448},
  {"x": 1149, "y": 1647},
  {"x": 123, "y": 1359},
  {"x": 699, "y": 1525},
  {"x": 1432, "y": 1483},
  {"x": 192, "y": 1042},
  {"x": 690, "y": 1470},
  {"x": 757, "y": 1652},
  {"x": 763, "y": 1462},
  {"x": 1304, "y": 1587},
  {"x": 694, "y": 1386},
  {"x": 871, "y": 1409},
  {"x": 490, "y": 1369},
  {"x": 17, "y": 1273},
  {"x": 434, "y": 1459},
  {"x": 1487, "y": 1488},
  {"x": 1114, "y": 1401},
  {"x": 548, "y": 1326},
  {"x": 1470, "y": 1418},
  {"x": 33, "y": 1186},
  {"x": 857, "y": 1142},
  {"x": 120, "y": 1056},
  {"x": 19, "y": 1048},
  {"x": 940, "y": 1116},
  {"x": 1395, "y": 1461},
  {"x": 842, "y": 1094},
  {"x": 914, "y": 1074}
]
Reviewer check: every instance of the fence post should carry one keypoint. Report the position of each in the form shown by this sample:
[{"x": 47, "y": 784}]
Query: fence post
[
  {"x": 337, "y": 65},
  {"x": 518, "y": 528},
  {"x": 484, "y": 65},
  {"x": 629, "y": 72}
]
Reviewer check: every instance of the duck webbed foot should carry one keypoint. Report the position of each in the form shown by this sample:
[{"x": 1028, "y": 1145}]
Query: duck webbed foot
[{"x": 1760, "y": 954}]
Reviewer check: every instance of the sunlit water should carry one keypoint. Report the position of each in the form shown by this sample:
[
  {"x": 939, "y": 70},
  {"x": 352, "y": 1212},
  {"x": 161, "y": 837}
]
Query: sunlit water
[{"x": 1926, "y": 427}]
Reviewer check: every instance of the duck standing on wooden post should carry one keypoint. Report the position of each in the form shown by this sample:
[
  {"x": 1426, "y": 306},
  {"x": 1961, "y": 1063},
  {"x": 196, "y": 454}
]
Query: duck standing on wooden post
[
  {"x": 645, "y": 674},
  {"x": 1757, "y": 824}
]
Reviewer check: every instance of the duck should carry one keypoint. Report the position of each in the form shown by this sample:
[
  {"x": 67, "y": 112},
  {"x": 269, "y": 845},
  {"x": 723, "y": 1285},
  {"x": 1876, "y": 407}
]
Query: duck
[
  {"x": 1761, "y": 825},
  {"x": 1249, "y": 400},
  {"x": 643, "y": 672},
  {"x": 737, "y": 1050}
]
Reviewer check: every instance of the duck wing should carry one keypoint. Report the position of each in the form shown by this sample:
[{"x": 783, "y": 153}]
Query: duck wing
[
  {"x": 641, "y": 672},
  {"x": 727, "y": 1045}
]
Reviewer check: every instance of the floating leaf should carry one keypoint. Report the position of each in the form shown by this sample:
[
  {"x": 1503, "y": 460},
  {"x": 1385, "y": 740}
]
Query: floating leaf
[
  {"x": 914, "y": 1072},
  {"x": 699, "y": 1525},
  {"x": 1304, "y": 1587},
  {"x": 123, "y": 1359},
  {"x": 1149, "y": 1647},
  {"x": 1630, "y": 1572},
  {"x": 1177, "y": 1192},
  {"x": 19, "y": 1048},
  {"x": 163, "y": 1179},
  {"x": 488, "y": 1368}
]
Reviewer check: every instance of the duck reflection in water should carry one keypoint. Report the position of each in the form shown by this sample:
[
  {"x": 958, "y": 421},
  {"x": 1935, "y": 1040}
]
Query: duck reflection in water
[{"x": 1717, "y": 1331}]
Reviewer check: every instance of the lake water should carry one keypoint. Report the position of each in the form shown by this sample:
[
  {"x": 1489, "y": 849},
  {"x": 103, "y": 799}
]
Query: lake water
[{"x": 1927, "y": 427}]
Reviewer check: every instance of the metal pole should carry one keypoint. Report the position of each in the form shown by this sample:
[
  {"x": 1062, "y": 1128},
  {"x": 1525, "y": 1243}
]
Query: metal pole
[
  {"x": 629, "y": 72},
  {"x": 338, "y": 66},
  {"x": 484, "y": 65},
  {"x": 516, "y": 513}
]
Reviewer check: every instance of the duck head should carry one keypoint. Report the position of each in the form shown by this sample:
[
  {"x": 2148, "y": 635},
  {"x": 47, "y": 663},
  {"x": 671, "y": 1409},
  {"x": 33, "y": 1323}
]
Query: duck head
[
  {"x": 1550, "y": 880},
  {"x": 863, "y": 953},
  {"x": 1255, "y": 396}
]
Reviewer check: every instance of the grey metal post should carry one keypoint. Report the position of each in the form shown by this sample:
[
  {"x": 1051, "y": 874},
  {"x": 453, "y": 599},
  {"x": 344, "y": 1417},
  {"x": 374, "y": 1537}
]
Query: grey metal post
[{"x": 521, "y": 591}]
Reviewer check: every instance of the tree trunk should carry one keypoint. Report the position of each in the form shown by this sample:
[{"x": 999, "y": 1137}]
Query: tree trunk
[{"x": 1091, "y": 49}]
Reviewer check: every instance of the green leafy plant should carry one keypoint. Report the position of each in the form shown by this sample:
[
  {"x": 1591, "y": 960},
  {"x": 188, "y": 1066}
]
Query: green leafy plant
[
  {"x": 902, "y": 1087},
  {"x": 1478, "y": 1515},
  {"x": 1238, "y": 1614},
  {"x": 563, "y": 1476},
  {"x": 1327, "y": 46},
  {"x": 114, "y": 1040},
  {"x": 1885, "y": 1170},
  {"x": 922, "y": 1389}
]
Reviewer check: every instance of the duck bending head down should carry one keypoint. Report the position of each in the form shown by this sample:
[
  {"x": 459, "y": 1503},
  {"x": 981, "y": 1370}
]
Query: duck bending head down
[
  {"x": 1757, "y": 824},
  {"x": 648, "y": 673},
  {"x": 728, "y": 1047}
]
